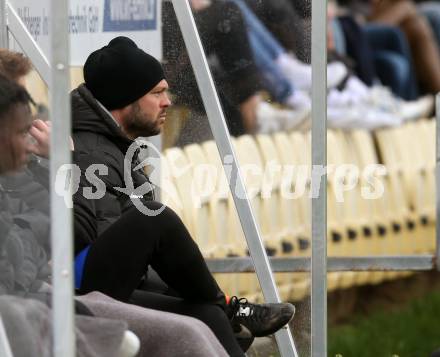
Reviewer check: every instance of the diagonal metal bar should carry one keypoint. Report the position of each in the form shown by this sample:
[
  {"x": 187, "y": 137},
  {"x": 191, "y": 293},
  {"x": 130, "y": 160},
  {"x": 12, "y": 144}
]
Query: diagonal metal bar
[
  {"x": 5, "y": 348},
  {"x": 21, "y": 34},
  {"x": 224, "y": 145}
]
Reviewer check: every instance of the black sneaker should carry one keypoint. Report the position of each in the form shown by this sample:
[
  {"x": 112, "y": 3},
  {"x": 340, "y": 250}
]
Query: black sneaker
[
  {"x": 243, "y": 337},
  {"x": 260, "y": 319}
]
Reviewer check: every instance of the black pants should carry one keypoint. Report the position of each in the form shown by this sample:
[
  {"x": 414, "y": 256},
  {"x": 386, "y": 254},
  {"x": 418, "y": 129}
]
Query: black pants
[
  {"x": 118, "y": 259},
  {"x": 212, "y": 315}
]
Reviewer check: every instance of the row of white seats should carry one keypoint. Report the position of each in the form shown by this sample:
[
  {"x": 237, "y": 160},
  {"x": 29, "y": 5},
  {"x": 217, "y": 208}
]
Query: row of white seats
[{"x": 399, "y": 222}]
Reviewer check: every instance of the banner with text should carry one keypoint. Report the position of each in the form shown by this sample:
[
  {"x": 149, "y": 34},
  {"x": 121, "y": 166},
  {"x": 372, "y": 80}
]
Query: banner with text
[{"x": 93, "y": 23}]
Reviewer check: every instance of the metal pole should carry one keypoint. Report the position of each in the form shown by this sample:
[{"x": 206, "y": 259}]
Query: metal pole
[
  {"x": 3, "y": 25},
  {"x": 319, "y": 184},
  {"x": 5, "y": 348},
  {"x": 224, "y": 145},
  {"x": 27, "y": 43},
  {"x": 61, "y": 216},
  {"x": 157, "y": 140},
  {"x": 437, "y": 178},
  {"x": 302, "y": 264}
]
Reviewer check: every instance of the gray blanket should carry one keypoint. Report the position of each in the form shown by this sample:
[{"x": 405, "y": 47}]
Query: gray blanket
[
  {"x": 161, "y": 334},
  {"x": 28, "y": 328}
]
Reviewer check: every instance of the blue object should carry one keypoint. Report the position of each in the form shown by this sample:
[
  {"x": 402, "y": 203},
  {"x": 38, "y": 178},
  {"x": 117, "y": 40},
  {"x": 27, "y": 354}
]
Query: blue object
[
  {"x": 80, "y": 260},
  {"x": 393, "y": 60}
]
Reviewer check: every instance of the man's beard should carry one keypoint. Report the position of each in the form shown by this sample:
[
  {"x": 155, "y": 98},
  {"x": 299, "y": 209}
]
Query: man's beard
[{"x": 138, "y": 124}]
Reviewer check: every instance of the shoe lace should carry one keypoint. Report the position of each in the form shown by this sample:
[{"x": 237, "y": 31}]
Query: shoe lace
[
  {"x": 235, "y": 303},
  {"x": 257, "y": 312}
]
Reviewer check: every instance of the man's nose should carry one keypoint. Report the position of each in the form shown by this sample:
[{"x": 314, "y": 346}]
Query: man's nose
[{"x": 167, "y": 101}]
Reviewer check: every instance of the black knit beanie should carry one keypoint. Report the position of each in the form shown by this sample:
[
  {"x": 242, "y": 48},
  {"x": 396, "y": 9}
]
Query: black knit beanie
[{"x": 121, "y": 73}]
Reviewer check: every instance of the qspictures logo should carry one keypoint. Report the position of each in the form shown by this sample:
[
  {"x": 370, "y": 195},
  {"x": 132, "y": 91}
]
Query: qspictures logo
[
  {"x": 130, "y": 15},
  {"x": 287, "y": 181},
  {"x": 68, "y": 178}
]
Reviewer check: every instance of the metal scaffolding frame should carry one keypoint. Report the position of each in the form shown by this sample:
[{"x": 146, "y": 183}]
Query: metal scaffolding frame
[
  {"x": 20, "y": 33},
  {"x": 57, "y": 77},
  {"x": 3, "y": 25},
  {"x": 60, "y": 154},
  {"x": 334, "y": 264},
  {"x": 319, "y": 159},
  {"x": 5, "y": 348},
  {"x": 222, "y": 138}
]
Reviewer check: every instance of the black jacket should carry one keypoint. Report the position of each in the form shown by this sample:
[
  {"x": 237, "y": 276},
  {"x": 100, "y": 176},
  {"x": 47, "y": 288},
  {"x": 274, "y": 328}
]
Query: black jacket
[{"x": 99, "y": 140}]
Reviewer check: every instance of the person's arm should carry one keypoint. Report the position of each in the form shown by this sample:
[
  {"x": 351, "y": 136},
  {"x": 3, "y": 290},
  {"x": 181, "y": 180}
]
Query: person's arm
[
  {"x": 85, "y": 211},
  {"x": 85, "y": 225},
  {"x": 84, "y": 222}
]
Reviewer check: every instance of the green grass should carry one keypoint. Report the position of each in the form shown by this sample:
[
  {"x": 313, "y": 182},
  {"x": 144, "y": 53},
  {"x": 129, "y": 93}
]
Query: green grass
[{"x": 411, "y": 331}]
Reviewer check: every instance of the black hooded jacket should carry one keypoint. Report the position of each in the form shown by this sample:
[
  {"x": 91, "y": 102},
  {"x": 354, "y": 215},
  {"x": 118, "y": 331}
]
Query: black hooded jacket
[{"x": 99, "y": 140}]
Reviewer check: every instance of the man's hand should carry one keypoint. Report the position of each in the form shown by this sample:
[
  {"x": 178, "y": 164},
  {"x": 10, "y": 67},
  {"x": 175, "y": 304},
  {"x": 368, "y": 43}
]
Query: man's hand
[{"x": 40, "y": 131}]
